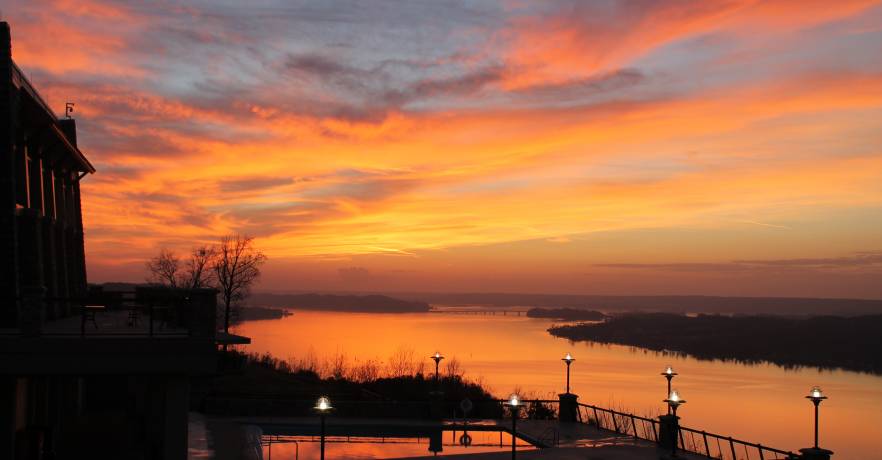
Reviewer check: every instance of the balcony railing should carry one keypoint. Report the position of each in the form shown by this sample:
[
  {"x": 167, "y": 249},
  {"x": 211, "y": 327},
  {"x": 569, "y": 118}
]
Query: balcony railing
[{"x": 144, "y": 312}]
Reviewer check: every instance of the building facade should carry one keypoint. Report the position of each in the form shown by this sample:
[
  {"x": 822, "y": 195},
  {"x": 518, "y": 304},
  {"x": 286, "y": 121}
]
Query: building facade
[
  {"x": 80, "y": 380},
  {"x": 41, "y": 223}
]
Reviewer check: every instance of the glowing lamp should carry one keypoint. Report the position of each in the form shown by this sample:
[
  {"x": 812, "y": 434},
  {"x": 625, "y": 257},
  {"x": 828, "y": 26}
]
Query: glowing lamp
[
  {"x": 514, "y": 400},
  {"x": 568, "y": 358},
  {"x": 675, "y": 399},
  {"x": 323, "y": 404},
  {"x": 816, "y": 394}
]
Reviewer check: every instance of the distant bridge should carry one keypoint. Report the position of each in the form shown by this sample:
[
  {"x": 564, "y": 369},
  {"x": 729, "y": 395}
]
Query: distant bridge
[{"x": 485, "y": 312}]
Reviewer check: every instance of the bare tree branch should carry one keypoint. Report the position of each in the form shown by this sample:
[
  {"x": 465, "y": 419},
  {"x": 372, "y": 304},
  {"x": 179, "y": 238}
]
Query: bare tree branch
[
  {"x": 198, "y": 272},
  {"x": 236, "y": 266},
  {"x": 163, "y": 268}
]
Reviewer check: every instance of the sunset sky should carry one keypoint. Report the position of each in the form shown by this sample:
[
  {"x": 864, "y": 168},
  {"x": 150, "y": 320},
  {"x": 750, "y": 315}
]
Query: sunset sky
[{"x": 610, "y": 147}]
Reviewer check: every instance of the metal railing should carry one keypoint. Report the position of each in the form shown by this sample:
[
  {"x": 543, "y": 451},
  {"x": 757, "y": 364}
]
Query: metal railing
[
  {"x": 619, "y": 422},
  {"x": 149, "y": 312},
  {"x": 689, "y": 440},
  {"x": 727, "y": 448}
]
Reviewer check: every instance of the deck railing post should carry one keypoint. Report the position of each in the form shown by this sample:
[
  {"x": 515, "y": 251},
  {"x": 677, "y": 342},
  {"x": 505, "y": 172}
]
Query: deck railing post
[
  {"x": 668, "y": 431},
  {"x": 568, "y": 406},
  {"x": 732, "y": 446},
  {"x": 706, "y": 447}
]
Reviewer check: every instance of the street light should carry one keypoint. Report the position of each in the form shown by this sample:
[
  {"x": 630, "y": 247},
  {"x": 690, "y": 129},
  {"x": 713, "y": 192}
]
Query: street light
[
  {"x": 569, "y": 360},
  {"x": 323, "y": 406},
  {"x": 674, "y": 400},
  {"x": 816, "y": 395},
  {"x": 437, "y": 358},
  {"x": 514, "y": 402},
  {"x": 669, "y": 374}
]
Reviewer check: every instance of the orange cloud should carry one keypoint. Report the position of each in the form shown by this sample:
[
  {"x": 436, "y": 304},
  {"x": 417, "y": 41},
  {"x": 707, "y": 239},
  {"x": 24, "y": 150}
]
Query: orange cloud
[
  {"x": 584, "y": 38},
  {"x": 332, "y": 151}
]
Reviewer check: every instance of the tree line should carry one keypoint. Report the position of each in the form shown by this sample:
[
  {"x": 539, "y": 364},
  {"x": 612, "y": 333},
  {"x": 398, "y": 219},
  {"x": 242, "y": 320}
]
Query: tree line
[{"x": 231, "y": 266}]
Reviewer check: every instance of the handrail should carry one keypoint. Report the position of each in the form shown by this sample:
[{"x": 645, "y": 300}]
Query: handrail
[
  {"x": 609, "y": 419},
  {"x": 732, "y": 443}
]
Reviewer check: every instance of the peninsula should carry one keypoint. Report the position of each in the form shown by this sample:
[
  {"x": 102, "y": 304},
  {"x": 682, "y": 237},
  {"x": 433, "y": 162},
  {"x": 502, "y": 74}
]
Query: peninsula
[{"x": 823, "y": 341}]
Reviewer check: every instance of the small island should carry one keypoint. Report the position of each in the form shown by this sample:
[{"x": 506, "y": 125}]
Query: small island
[
  {"x": 566, "y": 314},
  {"x": 340, "y": 303},
  {"x": 825, "y": 341},
  {"x": 260, "y": 313}
]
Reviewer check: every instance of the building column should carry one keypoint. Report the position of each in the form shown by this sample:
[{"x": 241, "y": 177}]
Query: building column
[
  {"x": 33, "y": 289},
  {"x": 50, "y": 272}
]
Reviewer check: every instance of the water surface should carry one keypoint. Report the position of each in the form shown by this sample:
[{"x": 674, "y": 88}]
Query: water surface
[{"x": 759, "y": 403}]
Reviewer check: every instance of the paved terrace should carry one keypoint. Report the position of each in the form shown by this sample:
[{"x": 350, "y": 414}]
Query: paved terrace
[{"x": 229, "y": 436}]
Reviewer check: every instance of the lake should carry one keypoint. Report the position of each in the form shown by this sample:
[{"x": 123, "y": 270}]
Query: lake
[{"x": 761, "y": 403}]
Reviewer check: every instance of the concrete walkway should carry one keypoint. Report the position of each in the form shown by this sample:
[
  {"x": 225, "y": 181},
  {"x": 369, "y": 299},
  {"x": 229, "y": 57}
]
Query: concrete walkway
[{"x": 233, "y": 437}]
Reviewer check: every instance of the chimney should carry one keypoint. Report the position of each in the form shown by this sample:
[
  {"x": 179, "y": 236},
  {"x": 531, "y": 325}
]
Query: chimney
[{"x": 69, "y": 128}]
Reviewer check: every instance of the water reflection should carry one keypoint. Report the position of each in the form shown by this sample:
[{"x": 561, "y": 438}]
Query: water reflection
[
  {"x": 446, "y": 442},
  {"x": 758, "y": 402}
]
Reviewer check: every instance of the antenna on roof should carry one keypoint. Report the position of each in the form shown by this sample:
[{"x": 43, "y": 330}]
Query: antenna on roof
[{"x": 68, "y": 109}]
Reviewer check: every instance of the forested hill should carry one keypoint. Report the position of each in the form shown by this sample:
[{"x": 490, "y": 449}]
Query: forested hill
[
  {"x": 824, "y": 341},
  {"x": 666, "y": 303}
]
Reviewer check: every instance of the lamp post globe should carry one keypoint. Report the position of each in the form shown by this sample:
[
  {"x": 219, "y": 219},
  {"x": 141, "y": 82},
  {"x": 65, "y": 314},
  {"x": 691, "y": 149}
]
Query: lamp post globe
[
  {"x": 674, "y": 400},
  {"x": 669, "y": 374},
  {"x": 568, "y": 359},
  {"x": 322, "y": 406},
  {"x": 816, "y": 396},
  {"x": 514, "y": 403},
  {"x": 437, "y": 357}
]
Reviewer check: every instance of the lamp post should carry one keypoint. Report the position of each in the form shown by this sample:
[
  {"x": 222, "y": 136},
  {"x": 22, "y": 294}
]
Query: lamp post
[
  {"x": 437, "y": 358},
  {"x": 323, "y": 406},
  {"x": 514, "y": 403},
  {"x": 669, "y": 375},
  {"x": 674, "y": 401},
  {"x": 816, "y": 396},
  {"x": 569, "y": 360}
]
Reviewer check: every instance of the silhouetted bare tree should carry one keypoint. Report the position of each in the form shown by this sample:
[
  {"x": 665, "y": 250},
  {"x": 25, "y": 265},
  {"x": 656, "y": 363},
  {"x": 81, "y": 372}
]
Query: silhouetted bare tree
[
  {"x": 198, "y": 272},
  {"x": 236, "y": 267},
  {"x": 163, "y": 268}
]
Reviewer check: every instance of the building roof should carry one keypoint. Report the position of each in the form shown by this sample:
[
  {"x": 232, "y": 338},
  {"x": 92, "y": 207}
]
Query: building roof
[{"x": 20, "y": 81}]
